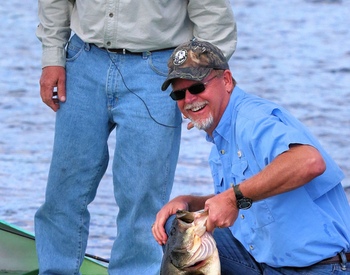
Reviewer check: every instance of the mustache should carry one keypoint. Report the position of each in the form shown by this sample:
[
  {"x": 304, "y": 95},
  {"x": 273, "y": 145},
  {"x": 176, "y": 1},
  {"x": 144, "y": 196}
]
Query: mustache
[{"x": 195, "y": 105}]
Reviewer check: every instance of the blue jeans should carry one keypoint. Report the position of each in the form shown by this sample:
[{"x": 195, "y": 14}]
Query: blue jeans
[
  {"x": 235, "y": 259},
  {"x": 107, "y": 91}
]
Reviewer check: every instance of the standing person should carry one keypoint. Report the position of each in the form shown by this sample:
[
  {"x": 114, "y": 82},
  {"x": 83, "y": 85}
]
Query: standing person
[
  {"x": 278, "y": 200},
  {"x": 108, "y": 77}
]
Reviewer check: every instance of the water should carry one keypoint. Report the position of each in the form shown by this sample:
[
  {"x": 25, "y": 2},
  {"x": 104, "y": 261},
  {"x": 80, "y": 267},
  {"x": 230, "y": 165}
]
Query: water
[{"x": 296, "y": 53}]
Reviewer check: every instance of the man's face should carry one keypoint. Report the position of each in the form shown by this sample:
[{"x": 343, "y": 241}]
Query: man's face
[{"x": 206, "y": 108}]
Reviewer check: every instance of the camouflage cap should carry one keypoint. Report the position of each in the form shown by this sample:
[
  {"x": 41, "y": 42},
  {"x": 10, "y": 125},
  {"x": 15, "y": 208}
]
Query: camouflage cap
[{"x": 194, "y": 60}]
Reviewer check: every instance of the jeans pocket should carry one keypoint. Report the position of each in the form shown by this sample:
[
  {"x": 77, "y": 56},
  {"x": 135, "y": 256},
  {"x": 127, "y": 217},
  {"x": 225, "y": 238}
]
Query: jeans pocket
[
  {"x": 158, "y": 62},
  {"x": 74, "y": 48}
]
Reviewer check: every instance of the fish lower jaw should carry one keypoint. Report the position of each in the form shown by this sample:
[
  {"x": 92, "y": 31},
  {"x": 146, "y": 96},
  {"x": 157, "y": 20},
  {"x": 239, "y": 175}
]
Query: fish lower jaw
[{"x": 195, "y": 266}]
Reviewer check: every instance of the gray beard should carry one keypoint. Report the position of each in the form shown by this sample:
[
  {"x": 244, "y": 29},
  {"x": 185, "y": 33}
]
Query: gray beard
[{"x": 204, "y": 124}]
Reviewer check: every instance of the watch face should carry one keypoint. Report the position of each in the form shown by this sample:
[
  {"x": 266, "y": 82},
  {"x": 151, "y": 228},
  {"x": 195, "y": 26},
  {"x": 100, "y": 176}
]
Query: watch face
[{"x": 244, "y": 203}]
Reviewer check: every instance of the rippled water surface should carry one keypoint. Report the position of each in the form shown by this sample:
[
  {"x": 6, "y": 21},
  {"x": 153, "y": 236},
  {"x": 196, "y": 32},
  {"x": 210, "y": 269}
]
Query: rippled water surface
[{"x": 296, "y": 53}]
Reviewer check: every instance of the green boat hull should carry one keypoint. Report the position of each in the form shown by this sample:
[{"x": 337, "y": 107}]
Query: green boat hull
[{"x": 18, "y": 254}]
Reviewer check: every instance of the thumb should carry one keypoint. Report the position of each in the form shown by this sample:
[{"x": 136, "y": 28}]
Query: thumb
[{"x": 61, "y": 89}]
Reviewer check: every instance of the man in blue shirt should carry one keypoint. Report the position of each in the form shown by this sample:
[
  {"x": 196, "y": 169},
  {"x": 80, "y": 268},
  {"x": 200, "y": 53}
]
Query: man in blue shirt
[{"x": 279, "y": 205}]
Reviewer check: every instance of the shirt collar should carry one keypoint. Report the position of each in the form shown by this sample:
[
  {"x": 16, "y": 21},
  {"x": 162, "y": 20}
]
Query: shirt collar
[{"x": 226, "y": 120}]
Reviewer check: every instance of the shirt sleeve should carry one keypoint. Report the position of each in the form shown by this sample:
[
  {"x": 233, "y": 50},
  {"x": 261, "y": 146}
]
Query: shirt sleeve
[
  {"x": 54, "y": 30},
  {"x": 271, "y": 136},
  {"x": 214, "y": 22}
]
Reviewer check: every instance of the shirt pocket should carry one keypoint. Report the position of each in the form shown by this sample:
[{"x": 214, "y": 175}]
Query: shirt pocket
[
  {"x": 218, "y": 178},
  {"x": 259, "y": 215},
  {"x": 262, "y": 215},
  {"x": 239, "y": 171}
]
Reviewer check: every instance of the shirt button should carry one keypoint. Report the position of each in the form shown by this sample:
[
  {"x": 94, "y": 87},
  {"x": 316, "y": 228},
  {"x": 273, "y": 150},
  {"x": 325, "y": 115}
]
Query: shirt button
[
  {"x": 239, "y": 154},
  {"x": 111, "y": 14},
  {"x": 242, "y": 217},
  {"x": 108, "y": 43},
  {"x": 251, "y": 247},
  {"x": 222, "y": 152}
]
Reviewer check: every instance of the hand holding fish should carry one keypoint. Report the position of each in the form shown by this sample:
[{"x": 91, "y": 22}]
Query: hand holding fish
[
  {"x": 179, "y": 203},
  {"x": 222, "y": 210},
  {"x": 189, "y": 203}
]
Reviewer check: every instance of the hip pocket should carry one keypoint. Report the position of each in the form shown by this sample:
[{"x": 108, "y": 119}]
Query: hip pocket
[
  {"x": 74, "y": 48},
  {"x": 158, "y": 62}
]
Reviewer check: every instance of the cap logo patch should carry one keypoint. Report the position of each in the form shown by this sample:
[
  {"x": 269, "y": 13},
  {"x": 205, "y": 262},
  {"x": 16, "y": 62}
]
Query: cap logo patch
[{"x": 180, "y": 57}]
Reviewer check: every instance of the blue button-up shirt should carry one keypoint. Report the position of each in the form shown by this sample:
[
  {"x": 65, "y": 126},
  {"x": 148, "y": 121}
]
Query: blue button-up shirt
[{"x": 296, "y": 228}]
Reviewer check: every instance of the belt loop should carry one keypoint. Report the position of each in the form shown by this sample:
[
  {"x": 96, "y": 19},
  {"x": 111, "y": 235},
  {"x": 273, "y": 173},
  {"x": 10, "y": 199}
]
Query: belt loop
[
  {"x": 87, "y": 47},
  {"x": 145, "y": 55},
  {"x": 343, "y": 260}
]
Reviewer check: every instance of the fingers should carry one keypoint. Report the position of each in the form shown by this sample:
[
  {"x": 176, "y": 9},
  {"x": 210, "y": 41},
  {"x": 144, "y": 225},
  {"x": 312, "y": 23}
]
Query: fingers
[
  {"x": 190, "y": 125},
  {"x": 52, "y": 86},
  {"x": 162, "y": 217},
  {"x": 210, "y": 225},
  {"x": 221, "y": 213},
  {"x": 49, "y": 96},
  {"x": 219, "y": 222},
  {"x": 61, "y": 87},
  {"x": 158, "y": 230}
]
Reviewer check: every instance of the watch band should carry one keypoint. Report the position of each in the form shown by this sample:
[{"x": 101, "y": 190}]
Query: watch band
[{"x": 242, "y": 202}]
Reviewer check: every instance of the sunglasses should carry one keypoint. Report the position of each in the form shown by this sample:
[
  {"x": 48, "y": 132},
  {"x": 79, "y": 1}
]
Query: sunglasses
[{"x": 195, "y": 89}]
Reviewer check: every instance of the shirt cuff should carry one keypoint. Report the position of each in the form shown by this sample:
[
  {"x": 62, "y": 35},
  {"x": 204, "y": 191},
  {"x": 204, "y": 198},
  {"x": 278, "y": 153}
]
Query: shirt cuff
[{"x": 53, "y": 56}]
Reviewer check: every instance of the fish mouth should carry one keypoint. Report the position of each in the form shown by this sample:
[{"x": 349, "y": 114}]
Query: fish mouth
[
  {"x": 185, "y": 216},
  {"x": 189, "y": 217},
  {"x": 206, "y": 249},
  {"x": 190, "y": 248},
  {"x": 194, "y": 221},
  {"x": 194, "y": 247},
  {"x": 203, "y": 245}
]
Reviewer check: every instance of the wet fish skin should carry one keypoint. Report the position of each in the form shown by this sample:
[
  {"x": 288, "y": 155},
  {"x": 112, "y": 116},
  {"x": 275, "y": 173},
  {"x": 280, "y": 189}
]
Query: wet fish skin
[{"x": 190, "y": 249}]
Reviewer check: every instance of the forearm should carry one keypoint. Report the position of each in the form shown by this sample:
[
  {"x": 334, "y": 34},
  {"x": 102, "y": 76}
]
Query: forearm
[{"x": 290, "y": 170}]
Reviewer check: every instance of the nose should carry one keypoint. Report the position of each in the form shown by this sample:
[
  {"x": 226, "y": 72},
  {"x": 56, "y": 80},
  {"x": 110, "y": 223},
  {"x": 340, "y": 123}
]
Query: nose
[{"x": 189, "y": 97}]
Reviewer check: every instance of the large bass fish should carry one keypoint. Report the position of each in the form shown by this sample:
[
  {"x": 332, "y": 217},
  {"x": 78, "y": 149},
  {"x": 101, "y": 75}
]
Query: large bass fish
[{"x": 190, "y": 249}]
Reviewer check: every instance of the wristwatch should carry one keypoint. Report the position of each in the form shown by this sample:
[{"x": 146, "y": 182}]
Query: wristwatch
[{"x": 242, "y": 201}]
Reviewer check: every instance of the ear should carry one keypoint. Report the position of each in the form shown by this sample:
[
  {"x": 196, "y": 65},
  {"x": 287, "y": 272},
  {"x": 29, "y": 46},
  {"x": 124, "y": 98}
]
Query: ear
[{"x": 228, "y": 80}]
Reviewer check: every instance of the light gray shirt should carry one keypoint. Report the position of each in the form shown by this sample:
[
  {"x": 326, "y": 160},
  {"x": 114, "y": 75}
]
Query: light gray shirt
[{"x": 135, "y": 25}]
